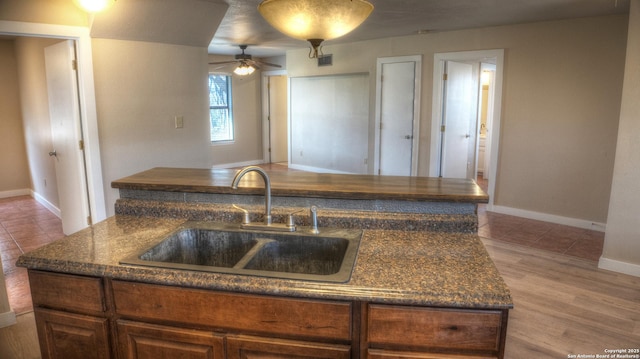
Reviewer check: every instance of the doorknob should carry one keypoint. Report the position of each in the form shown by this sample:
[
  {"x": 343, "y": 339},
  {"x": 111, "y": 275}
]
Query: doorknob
[
  {"x": 467, "y": 136},
  {"x": 53, "y": 153},
  {"x": 408, "y": 137}
]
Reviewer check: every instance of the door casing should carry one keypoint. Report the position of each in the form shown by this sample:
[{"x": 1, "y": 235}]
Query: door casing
[{"x": 495, "y": 55}]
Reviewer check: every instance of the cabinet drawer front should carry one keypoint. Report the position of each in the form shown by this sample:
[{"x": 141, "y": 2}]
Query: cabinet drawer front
[
  {"x": 246, "y": 347},
  {"x": 384, "y": 354},
  {"x": 228, "y": 311},
  {"x": 67, "y": 292},
  {"x": 435, "y": 328}
]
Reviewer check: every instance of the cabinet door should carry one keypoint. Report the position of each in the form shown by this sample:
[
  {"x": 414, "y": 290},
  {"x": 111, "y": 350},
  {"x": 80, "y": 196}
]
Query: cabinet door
[
  {"x": 147, "y": 341},
  {"x": 70, "y": 336},
  {"x": 246, "y": 347}
]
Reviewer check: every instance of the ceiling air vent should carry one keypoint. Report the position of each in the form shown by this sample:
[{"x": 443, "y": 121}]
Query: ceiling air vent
[{"x": 325, "y": 60}]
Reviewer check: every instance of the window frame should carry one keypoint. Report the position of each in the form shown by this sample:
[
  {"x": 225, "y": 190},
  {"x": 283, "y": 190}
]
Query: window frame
[{"x": 228, "y": 107}]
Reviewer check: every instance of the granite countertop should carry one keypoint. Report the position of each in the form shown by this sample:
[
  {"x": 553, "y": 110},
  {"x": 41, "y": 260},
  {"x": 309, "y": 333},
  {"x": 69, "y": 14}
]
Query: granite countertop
[
  {"x": 393, "y": 266},
  {"x": 307, "y": 184}
]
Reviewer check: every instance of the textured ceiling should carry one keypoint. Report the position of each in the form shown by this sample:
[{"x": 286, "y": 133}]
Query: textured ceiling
[{"x": 242, "y": 24}]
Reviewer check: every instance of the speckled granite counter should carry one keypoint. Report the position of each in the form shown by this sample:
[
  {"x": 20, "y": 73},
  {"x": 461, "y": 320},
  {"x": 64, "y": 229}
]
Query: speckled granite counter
[{"x": 393, "y": 266}]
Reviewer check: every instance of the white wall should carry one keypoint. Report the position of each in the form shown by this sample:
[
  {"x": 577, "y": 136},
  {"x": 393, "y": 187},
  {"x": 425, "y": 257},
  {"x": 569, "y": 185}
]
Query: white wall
[
  {"x": 140, "y": 88},
  {"x": 561, "y": 104},
  {"x": 13, "y": 157},
  {"x": 622, "y": 238}
]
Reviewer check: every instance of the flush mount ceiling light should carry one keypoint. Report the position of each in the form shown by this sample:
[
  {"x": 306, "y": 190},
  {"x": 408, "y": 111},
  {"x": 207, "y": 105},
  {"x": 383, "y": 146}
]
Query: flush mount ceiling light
[
  {"x": 244, "y": 69},
  {"x": 315, "y": 20},
  {"x": 94, "y": 5}
]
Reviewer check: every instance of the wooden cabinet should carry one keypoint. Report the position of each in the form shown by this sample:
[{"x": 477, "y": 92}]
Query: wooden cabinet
[
  {"x": 71, "y": 336},
  {"x": 246, "y": 347},
  {"x": 70, "y": 313},
  {"x": 84, "y": 317},
  {"x": 472, "y": 333},
  {"x": 147, "y": 341}
]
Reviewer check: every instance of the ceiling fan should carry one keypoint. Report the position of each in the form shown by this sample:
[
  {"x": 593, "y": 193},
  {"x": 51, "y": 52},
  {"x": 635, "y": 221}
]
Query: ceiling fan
[{"x": 246, "y": 64}]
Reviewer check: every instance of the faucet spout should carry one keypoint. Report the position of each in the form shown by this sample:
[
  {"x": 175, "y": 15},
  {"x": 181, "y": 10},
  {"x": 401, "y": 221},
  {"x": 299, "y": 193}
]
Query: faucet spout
[{"x": 267, "y": 188}]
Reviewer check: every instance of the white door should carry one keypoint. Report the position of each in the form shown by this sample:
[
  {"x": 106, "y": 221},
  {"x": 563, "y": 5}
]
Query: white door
[
  {"x": 458, "y": 121},
  {"x": 397, "y": 98},
  {"x": 278, "y": 144},
  {"x": 66, "y": 133}
]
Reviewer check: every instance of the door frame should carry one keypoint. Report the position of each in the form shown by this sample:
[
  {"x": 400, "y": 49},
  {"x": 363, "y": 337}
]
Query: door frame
[
  {"x": 87, "y": 99},
  {"x": 496, "y": 55},
  {"x": 416, "y": 109},
  {"x": 266, "y": 158}
]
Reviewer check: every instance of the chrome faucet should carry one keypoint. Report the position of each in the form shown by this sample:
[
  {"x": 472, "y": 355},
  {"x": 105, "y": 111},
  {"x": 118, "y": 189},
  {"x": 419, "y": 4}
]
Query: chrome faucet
[{"x": 267, "y": 188}]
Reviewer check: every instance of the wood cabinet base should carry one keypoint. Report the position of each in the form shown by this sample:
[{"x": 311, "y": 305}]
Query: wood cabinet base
[{"x": 86, "y": 317}]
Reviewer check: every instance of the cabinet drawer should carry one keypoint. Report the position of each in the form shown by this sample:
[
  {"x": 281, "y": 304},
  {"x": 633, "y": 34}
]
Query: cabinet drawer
[
  {"x": 229, "y": 311},
  {"x": 242, "y": 347},
  {"x": 472, "y": 330},
  {"x": 67, "y": 292}
]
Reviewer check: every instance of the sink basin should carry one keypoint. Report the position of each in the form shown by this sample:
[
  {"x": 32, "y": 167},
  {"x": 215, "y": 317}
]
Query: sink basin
[{"x": 225, "y": 248}]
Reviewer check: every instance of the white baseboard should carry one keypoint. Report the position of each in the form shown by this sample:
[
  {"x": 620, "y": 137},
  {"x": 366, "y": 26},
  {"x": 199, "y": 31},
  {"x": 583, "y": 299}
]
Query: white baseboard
[
  {"x": 48, "y": 205},
  {"x": 239, "y": 164},
  {"x": 15, "y": 193},
  {"x": 567, "y": 221},
  {"x": 316, "y": 169},
  {"x": 7, "y": 319},
  {"x": 618, "y": 266}
]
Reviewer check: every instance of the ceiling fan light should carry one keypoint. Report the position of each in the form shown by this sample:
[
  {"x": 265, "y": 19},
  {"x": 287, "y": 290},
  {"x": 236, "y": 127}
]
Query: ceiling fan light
[
  {"x": 244, "y": 70},
  {"x": 315, "y": 19},
  {"x": 94, "y": 5}
]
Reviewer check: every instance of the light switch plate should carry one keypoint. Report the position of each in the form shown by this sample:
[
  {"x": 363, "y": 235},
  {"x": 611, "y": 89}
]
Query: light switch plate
[{"x": 179, "y": 121}]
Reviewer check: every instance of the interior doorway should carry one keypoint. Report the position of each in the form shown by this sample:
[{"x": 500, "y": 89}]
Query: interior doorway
[
  {"x": 397, "y": 115},
  {"x": 275, "y": 117},
  {"x": 439, "y": 152},
  {"x": 86, "y": 99}
]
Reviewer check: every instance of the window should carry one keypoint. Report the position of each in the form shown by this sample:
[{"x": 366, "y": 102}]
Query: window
[{"x": 220, "y": 113}]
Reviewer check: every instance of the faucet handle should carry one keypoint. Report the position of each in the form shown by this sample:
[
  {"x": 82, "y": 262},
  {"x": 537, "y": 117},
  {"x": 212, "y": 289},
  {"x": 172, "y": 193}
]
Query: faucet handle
[
  {"x": 245, "y": 214},
  {"x": 313, "y": 211},
  {"x": 291, "y": 223}
]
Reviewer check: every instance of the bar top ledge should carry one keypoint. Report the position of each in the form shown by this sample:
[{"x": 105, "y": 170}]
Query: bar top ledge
[{"x": 307, "y": 184}]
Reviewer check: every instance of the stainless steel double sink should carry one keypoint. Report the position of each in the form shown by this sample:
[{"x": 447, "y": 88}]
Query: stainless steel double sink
[{"x": 226, "y": 248}]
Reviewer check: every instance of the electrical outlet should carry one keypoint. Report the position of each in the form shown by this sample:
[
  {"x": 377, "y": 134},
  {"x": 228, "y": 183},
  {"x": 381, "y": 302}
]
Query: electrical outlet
[{"x": 179, "y": 121}]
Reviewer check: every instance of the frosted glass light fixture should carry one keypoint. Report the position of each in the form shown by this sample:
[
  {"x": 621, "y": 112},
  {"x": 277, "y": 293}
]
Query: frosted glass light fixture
[
  {"x": 94, "y": 5},
  {"x": 315, "y": 20},
  {"x": 243, "y": 69}
]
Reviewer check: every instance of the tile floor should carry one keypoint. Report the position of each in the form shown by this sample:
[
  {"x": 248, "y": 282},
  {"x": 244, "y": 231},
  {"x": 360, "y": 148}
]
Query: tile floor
[{"x": 26, "y": 225}]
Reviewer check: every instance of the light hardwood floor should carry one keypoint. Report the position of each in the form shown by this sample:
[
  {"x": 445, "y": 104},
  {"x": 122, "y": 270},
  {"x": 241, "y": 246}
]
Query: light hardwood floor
[
  {"x": 565, "y": 305},
  {"x": 20, "y": 340}
]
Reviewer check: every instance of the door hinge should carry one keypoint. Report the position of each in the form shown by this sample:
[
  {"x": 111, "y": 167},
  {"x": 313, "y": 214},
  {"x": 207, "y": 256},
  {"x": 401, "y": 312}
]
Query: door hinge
[
  {"x": 89, "y": 221},
  {"x": 442, "y": 128},
  {"x": 74, "y": 64},
  {"x": 445, "y": 77},
  {"x": 81, "y": 145}
]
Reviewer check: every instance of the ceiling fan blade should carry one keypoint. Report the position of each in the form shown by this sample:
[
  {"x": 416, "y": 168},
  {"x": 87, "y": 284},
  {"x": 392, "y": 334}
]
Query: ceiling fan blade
[
  {"x": 223, "y": 62},
  {"x": 267, "y": 63}
]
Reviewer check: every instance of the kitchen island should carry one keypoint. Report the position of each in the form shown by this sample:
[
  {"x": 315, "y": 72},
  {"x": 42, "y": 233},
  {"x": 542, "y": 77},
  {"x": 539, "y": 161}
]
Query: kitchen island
[{"x": 415, "y": 290}]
